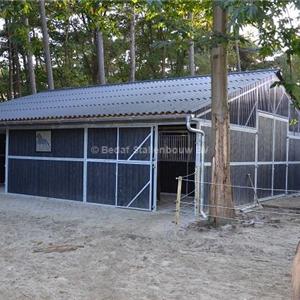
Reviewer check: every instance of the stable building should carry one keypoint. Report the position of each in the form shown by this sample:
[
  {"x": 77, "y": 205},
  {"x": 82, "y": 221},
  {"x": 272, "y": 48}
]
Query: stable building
[{"x": 125, "y": 144}]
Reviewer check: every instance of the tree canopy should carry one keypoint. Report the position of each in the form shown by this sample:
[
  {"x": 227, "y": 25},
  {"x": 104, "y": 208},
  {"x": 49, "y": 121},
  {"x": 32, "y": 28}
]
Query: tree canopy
[{"x": 163, "y": 32}]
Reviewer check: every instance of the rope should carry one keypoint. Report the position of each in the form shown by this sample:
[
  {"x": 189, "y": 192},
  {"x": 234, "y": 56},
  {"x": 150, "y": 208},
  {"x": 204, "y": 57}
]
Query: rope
[
  {"x": 186, "y": 203},
  {"x": 186, "y": 195},
  {"x": 186, "y": 176},
  {"x": 244, "y": 187},
  {"x": 191, "y": 204},
  {"x": 257, "y": 211},
  {"x": 269, "y": 211}
]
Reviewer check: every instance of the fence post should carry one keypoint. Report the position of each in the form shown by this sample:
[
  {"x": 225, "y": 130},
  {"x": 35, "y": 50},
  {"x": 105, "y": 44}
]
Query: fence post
[{"x": 178, "y": 198}]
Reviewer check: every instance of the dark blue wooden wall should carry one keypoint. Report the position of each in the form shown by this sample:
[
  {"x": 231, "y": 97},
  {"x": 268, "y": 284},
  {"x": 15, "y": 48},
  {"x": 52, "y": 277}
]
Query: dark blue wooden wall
[
  {"x": 49, "y": 178},
  {"x": 65, "y": 143}
]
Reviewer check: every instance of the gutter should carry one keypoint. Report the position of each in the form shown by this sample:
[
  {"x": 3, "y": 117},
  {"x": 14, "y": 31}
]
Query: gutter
[
  {"x": 100, "y": 120},
  {"x": 199, "y": 162}
]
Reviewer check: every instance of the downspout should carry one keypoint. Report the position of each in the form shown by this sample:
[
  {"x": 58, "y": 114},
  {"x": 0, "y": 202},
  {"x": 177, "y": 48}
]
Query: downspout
[{"x": 199, "y": 162}]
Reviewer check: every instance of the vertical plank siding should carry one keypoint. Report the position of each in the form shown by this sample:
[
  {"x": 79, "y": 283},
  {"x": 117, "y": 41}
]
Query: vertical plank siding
[
  {"x": 208, "y": 149},
  {"x": 264, "y": 181},
  {"x": 101, "y": 183},
  {"x": 293, "y": 178},
  {"x": 101, "y": 142},
  {"x": 265, "y": 139},
  {"x": 240, "y": 177},
  {"x": 130, "y": 139},
  {"x": 280, "y": 140},
  {"x": 242, "y": 146},
  {"x": 56, "y": 179},
  {"x": 139, "y": 176},
  {"x": 271, "y": 164},
  {"x": 279, "y": 179},
  {"x": 65, "y": 143},
  {"x": 207, "y": 186},
  {"x": 294, "y": 150}
]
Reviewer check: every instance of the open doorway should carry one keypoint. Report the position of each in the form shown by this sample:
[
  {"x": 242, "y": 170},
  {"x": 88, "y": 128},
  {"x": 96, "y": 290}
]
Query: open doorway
[{"x": 176, "y": 157}]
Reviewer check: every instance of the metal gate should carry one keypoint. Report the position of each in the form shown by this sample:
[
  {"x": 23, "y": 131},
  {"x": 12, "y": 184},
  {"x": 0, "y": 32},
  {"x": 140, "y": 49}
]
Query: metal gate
[{"x": 120, "y": 166}]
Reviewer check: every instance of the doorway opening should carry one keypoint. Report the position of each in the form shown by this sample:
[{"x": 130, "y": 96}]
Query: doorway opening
[{"x": 176, "y": 157}]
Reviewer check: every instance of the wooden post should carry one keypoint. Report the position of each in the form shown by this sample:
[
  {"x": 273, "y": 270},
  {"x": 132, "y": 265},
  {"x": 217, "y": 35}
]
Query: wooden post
[{"x": 177, "y": 211}]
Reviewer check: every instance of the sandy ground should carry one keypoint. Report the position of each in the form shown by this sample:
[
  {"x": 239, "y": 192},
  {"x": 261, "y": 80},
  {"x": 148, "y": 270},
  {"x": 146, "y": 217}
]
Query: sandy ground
[{"x": 125, "y": 254}]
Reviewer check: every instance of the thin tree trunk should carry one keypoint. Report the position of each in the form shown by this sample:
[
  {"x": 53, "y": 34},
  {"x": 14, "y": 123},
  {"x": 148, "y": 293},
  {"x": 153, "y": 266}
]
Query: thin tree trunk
[
  {"x": 67, "y": 65},
  {"x": 3, "y": 95},
  {"x": 17, "y": 67},
  {"x": 163, "y": 62},
  {"x": 25, "y": 66},
  {"x": 46, "y": 45},
  {"x": 100, "y": 57},
  {"x": 191, "y": 51},
  {"x": 237, "y": 52},
  {"x": 30, "y": 67},
  {"x": 89, "y": 66},
  {"x": 10, "y": 62},
  {"x": 132, "y": 46},
  {"x": 221, "y": 209},
  {"x": 238, "y": 57}
]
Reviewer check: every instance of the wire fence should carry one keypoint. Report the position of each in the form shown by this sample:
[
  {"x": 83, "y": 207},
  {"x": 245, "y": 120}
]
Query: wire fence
[
  {"x": 240, "y": 213},
  {"x": 244, "y": 186}
]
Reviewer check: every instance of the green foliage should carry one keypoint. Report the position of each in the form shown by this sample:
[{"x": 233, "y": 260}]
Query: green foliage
[
  {"x": 276, "y": 34},
  {"x": 163, "y": 31}
]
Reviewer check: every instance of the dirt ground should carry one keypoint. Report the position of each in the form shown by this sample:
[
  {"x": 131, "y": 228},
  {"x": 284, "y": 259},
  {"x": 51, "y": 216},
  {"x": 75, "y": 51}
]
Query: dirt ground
[{"x": 53, "y": 249}]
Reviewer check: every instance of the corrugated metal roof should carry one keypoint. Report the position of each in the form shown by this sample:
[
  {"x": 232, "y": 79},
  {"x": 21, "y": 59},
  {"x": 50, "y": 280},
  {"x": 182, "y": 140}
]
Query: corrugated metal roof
[{"x": 168, "y": 96}]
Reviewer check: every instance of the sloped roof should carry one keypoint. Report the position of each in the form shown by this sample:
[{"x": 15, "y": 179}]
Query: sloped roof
[{"x": 167, "y": 96}]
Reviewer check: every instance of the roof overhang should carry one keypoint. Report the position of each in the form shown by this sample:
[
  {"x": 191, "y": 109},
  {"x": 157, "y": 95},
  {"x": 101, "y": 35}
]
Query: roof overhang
[{"x": 159, "y": 118}]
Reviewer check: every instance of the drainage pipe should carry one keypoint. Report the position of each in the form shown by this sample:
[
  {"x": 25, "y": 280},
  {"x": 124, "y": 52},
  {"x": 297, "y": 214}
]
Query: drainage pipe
[{"x": 199, "y": 163}]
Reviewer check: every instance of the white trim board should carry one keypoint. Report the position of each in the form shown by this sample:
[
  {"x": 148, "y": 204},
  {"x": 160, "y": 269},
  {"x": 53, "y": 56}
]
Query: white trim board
[
  {"x": 295, "y": 137},
  {"x": 259, "y": 163},
  {"x": 272, "y": 116},
  {"x": 234, "y": 127},
  {"x": 73, "y": 159}
]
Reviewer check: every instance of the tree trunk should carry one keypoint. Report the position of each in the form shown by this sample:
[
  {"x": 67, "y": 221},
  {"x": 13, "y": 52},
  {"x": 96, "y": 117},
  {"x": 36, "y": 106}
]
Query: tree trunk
[
  {"x": 10, "y": 62},
  {"x": 221, "y": 203},
  {"x": 17, "y": 68},
  {"x": 100, "y": 57},
  {"x": 191, "y": 51},
  {"x": 132, "y": 46},
  {"x": 163, "y": 62},
  {"x": 30, "y": 67},
  {"x": 238, "y": 57},
  {"x": 237, "y": 52},
  {"x": 46, "y": 45}
]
